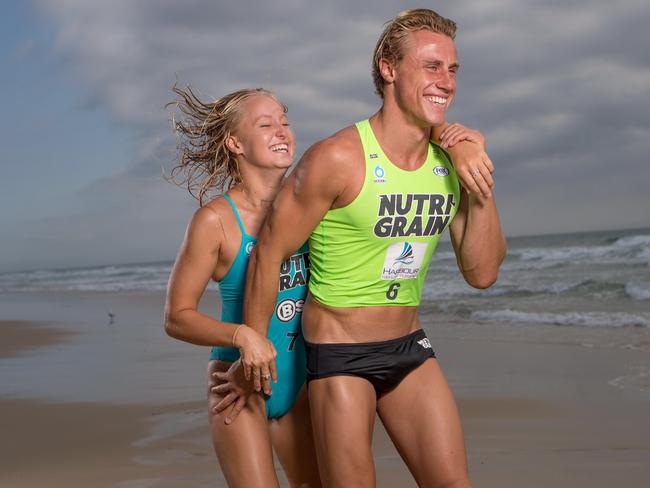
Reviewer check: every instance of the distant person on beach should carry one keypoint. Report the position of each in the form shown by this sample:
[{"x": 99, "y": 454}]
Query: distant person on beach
[
  {"x": 373, "y": 200},
  {"x": 243, "y": 145}
]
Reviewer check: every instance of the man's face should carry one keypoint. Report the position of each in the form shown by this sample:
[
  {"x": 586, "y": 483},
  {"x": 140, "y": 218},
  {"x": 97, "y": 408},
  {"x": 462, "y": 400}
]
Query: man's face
[{"x": 425, "y": 79}]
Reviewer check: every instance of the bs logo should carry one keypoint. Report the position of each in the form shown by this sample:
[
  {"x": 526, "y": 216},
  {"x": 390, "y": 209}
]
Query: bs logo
[{"x": 287, "y": 309}]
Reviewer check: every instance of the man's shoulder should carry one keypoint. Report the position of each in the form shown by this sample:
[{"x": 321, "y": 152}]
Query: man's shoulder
[
  {"x": 328, "y": 165},
  {"x": 343, "y": 147}
]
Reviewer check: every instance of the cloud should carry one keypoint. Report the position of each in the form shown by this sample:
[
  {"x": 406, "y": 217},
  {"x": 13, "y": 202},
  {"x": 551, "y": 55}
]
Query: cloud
[{"x": 559, "y": 88}]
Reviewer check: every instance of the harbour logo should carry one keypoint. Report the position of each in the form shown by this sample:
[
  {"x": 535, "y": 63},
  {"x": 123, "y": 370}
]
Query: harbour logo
[
  {"x": 403, "y": 260},
  {"x": 379, "y": 174},
  {"x": 407, "y": 255},
  {"x": 249, "y": 248},
  {"x": 440, "y": 171},
  {"x": 425, "y": 343},
  {"x": 287, "y": 309}
]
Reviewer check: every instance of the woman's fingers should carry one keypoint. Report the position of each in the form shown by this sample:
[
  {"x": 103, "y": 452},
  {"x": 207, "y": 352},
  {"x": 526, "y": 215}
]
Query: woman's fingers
[
  {"x": 488, "y": 163},
  {"x": 257, "y": 379},
  {"x": 455, "y": 133},
  {"x": 487, "y": 176},
  {"x": 222, "y": 388},
  {"x": 467, "y": 180},
  {"x": 266, "y": 380},
  {"x": 479, "y": 180},
  {"x": 259, "y": 364},
  {"x": 225, "y": 402},
  {"x": 236, "y": 409}
]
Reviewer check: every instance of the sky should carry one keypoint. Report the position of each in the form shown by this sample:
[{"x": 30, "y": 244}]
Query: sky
[{"x": 561, "y": 90}]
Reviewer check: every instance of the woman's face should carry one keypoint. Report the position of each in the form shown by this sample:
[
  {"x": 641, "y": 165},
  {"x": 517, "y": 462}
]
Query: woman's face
[{"x": 263, "y": 136}]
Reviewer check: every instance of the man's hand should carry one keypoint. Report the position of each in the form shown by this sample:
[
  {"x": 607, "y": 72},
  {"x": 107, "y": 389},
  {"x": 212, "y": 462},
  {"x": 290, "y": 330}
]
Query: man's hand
[
  {"x": 234, "y": 389},
  {"x": 473, "y": 166}
]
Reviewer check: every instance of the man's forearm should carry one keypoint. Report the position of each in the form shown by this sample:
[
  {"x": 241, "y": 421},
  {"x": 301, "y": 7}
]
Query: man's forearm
[
  {"x": 483, "y": 245},
  {"x": 261, "y": 292}
]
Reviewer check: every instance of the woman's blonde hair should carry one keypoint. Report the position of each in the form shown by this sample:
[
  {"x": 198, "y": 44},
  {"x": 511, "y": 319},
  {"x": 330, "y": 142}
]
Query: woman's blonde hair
[
  {"x": 204, "y": 162},
  {"x": 391, "y": 42}
]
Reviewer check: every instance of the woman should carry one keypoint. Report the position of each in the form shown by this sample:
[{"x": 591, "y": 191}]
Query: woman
[{"x": 243, "y": 145}]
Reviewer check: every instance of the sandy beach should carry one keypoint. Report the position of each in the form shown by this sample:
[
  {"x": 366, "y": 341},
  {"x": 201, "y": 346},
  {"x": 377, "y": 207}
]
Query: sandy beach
[
  {"x": 541, "y": 406},
  {"x": 20, "y": 335}
]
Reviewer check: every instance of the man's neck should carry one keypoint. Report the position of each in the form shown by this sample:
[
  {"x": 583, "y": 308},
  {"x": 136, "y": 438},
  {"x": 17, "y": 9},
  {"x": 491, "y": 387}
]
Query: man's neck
[{"x": 404, "y": 142}]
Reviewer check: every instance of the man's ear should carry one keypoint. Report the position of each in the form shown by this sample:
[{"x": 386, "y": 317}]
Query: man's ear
[{"x": 387, "y": 70}]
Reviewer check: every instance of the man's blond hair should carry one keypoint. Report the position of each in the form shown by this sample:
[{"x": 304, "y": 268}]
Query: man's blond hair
[{"x": 391, "y": 44}]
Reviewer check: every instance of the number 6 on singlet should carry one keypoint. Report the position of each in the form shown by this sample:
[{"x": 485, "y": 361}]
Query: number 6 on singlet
[{"x": 391, "y": 293}]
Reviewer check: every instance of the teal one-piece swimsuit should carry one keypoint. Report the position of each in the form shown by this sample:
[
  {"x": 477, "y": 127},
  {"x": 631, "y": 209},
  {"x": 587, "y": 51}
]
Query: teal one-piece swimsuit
[{"x": 284, "y": 328}]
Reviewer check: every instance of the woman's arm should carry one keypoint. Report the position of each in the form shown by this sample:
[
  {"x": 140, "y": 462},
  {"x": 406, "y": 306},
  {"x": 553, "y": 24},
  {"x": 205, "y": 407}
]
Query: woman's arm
[
  {"x": 194, "y": 266},
  {"x": 467, "y": 150},
  {"x": 476, "y": 233}
]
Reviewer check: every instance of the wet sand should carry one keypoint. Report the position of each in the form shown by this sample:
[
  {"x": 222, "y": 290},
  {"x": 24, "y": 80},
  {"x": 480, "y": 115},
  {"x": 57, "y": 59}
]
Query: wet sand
[
  {"x": 544, "y": 407},
  {"x": 20, "y": 335}
]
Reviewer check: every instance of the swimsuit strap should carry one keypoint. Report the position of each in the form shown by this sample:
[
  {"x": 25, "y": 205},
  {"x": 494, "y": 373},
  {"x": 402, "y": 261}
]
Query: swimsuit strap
[{"x": 234, "y": 209}]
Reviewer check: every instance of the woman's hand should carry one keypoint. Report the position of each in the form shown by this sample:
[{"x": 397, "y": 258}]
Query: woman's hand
[
  {"x": 473, "y": 166},
  {"x": 258, "y": 357},
  {"x": 234, "y": 389}
]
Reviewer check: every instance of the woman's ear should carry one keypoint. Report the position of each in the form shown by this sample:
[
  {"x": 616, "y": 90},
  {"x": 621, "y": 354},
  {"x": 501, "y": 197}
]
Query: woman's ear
[{"x": 234, "y": 145}]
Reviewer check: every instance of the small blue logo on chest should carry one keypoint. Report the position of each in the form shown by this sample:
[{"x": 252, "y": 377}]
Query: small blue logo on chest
[{"x": 379, "y": 174}]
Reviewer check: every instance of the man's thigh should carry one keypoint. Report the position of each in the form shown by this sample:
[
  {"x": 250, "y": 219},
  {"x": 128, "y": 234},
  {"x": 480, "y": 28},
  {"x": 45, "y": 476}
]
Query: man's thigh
[
  {"x": 422, "y": 419},
  {"x": 343, "y": 415}
]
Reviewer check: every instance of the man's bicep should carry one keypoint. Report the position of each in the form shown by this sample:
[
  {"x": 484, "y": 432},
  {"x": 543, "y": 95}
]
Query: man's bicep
[
  {"x": 304, "y": 199},
  {"x": 457, "y": 226}
]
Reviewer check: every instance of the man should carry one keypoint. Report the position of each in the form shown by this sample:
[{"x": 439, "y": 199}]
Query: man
[{"x": 373, "y": 200}]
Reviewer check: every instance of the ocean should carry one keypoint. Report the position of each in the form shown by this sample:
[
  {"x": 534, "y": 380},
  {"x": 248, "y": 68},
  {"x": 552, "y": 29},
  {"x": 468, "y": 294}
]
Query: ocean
[{"x": 596, "y": 279}]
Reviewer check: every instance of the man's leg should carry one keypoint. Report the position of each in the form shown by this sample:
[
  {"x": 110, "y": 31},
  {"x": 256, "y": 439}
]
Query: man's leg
[
  {"x": 243, "y": 447},
  {"x": 293, "y": 441},
  {"x": 422, "y": 419},
  {"x": 343, "y": 416}
]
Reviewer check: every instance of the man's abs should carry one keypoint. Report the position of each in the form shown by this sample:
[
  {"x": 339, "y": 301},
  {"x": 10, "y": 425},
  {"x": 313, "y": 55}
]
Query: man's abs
[{"x": 324, "y": 324}]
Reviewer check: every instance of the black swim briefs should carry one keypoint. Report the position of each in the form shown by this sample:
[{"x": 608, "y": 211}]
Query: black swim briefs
[{"x": 384, "y": 364}]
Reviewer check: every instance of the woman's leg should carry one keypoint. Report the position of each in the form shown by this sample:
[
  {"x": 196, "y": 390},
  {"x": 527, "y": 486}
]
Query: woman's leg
[
  {"x": 293, "y": 441},
  {"x": 422, "y": 419},
  {"x": 243, "y": 447},
  {"x": 343, "y": 416}
]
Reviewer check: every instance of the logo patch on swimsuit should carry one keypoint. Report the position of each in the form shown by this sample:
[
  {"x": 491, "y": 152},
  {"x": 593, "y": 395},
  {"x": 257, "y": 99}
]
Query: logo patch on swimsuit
[
  {"x": 403, "y": 260},
  {"x": 294, "y": 272},
  {"x": 379, "y": 174},
  {"x": 373, "y": 156},
  {"x": 287, "y": 309},
  {"x": 249, "y": 248},
  {"x": 440, "y": 171},
  {"x": 425, "y": 343}
]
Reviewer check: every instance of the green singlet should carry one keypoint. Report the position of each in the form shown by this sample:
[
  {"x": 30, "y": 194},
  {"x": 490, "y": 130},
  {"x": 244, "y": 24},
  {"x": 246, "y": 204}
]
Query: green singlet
[{"x": 376, "y": 250}]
